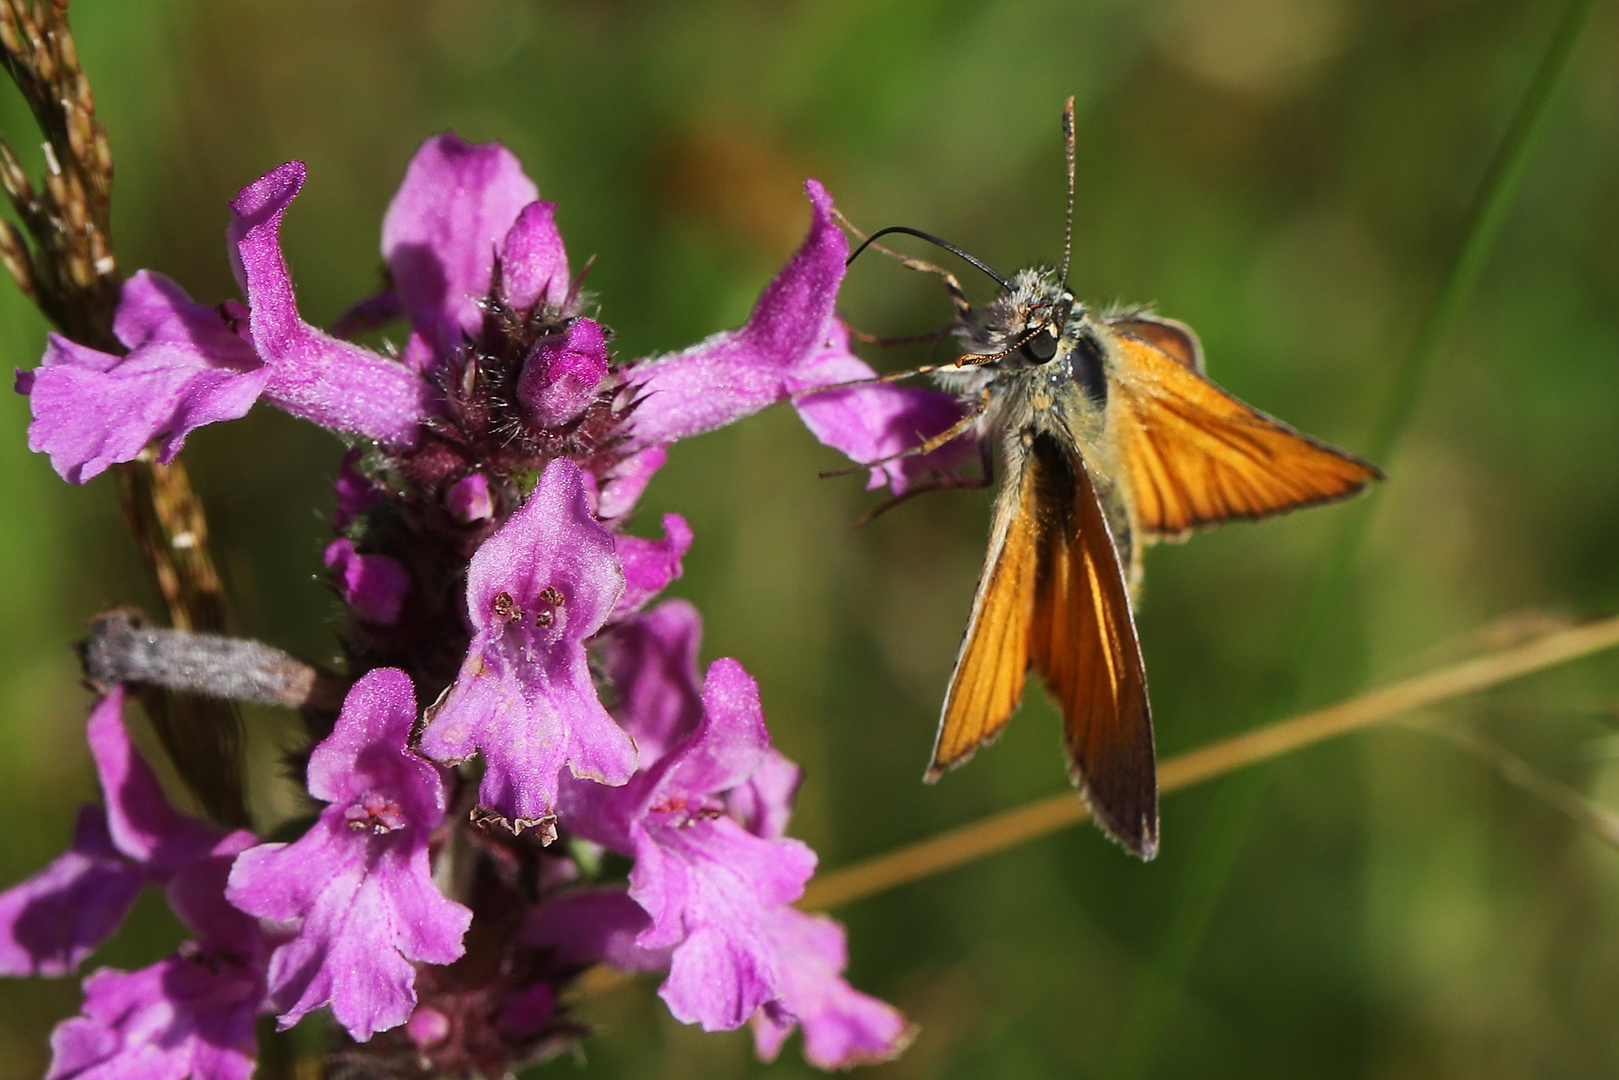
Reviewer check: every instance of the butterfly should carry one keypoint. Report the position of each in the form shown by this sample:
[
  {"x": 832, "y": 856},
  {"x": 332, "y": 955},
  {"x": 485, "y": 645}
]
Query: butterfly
[{"x": 1111, "y": 437}]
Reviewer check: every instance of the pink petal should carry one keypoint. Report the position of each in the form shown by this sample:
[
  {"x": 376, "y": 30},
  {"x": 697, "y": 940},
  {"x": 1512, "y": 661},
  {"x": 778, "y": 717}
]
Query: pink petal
[
  {"x": 186, "y": 368},
  {"x": 536, "y": 589},
  {"x": 739, "y": 372},
  {"x": 873, "y": 422},
  {"x": 469, "y": 501},
  {"x": 652, "y": 661},
  {"x": 454, "y": 209},
  {"x": 650, "y": 565},
  {"x": 533, "y": 262},
  {"x": 313, "y": 375},
  {"x": 51, "y": 922},
  {"x": 375, "y": 586},
  {"x": 842, "y": 1026},
  {"x": 140, "y": 820}
]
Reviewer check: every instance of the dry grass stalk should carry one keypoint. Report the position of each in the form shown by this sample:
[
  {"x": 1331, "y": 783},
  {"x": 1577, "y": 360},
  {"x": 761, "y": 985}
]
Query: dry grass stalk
[
  {"x": 963, "y": 845},
  {"x": 71, "y": 274}
]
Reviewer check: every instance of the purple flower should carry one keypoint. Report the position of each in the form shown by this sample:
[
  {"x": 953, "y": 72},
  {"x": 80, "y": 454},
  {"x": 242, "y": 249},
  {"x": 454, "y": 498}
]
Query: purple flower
[
  {"x": 191, "y": 1015},
  {"x": 714, "y": 874},
  {"x": 738, "y": 372},
  {"x": 842, "y": 1026},
  {"x": 190, "y": 365},
  {"x": 792, "y": 343},
  {"x": 707, "y": 883},
  {"x": 536, "y": 589},
  {"x": 313, "y": 375},
  {"x": 373, "y": 585},
  {"x": 52, "y": 921},
  {"x": 186, "y": 367},
  {"x": 650, "y": 565},
  {"x": 459, "y": 207},
  {"x": 358, "y": 885},
  {"x": 561, "y": 376}
]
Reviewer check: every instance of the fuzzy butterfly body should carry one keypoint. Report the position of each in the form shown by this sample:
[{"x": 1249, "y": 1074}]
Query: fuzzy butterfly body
[{"x": 1111, "y": 437}]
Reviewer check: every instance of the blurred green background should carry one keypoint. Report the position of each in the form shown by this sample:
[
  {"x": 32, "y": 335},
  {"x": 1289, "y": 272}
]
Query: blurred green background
[{"x": 1288, "y": 176}]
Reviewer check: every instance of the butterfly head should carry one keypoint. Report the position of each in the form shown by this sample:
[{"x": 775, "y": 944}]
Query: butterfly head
[{"x": 1033, "y": 322}]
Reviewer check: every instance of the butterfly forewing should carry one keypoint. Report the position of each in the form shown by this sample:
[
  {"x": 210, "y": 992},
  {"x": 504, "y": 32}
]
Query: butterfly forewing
[
  {"x": 1193, "y": 455},
  {"x": 1082, "y": 640},
  {"x": 987, "y": 684}
]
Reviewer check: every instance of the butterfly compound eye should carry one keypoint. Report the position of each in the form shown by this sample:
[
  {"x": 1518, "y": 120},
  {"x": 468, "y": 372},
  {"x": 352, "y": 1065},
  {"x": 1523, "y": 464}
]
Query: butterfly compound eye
[{"x": 1042, "y": 346}]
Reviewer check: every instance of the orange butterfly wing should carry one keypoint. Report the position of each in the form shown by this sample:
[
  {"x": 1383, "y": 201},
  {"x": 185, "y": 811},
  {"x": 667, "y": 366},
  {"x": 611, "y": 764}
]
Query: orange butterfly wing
[
  {"x": 1052, "y": 594},
  {"x": 1193, "y": 455},
  {"x": 987, "y": 684},
  {"x": 1082, "y": 640}
]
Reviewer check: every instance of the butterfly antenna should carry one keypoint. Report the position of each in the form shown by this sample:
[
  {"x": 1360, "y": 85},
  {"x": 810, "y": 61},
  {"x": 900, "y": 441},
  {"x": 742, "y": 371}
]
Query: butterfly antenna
[
  {"x": 1068, "y": 148},
  {"x": 934, "y": 240}
]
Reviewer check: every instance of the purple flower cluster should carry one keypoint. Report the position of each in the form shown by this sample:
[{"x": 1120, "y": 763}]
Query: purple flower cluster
[{"x": 482, "y": 564}]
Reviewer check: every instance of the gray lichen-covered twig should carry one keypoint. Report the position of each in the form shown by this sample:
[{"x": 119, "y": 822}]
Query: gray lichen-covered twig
[{"x": 122, "y": 648}]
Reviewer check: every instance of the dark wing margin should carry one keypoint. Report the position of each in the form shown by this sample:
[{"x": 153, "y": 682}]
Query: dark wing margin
[
  {"x": 1082, "y": 641},
  {"x": 1195, "y": 456},
  {"x": 993, "y": 661}
]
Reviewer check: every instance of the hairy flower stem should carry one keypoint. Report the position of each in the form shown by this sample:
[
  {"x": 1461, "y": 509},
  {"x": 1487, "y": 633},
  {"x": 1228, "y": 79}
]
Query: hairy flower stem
[
  {"x": 72, "y": 275},
  {"x": 994, "y": 834}
]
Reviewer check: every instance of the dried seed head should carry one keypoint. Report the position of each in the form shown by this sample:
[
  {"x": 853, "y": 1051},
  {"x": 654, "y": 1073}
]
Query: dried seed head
[{"x": 14, "y": 254}]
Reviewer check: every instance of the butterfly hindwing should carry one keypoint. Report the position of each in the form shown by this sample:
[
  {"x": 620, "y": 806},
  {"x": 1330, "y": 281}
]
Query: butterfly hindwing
[
  {"x": 1082, "y": 641},
  {"x": 1170, "y": 336},
  {"x": 1193, "y": 455}
]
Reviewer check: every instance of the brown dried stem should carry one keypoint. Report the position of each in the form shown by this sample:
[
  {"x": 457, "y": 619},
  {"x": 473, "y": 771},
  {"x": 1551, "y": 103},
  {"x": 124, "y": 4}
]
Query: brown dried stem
[
  {"x": 993, "y": 834},
  {"x": 959, "y": 846},
  {"x": 70, "y": 273}
]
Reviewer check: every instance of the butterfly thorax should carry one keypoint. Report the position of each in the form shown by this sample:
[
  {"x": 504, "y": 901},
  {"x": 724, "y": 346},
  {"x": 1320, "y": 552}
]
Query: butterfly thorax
[
  {"x": 1036, "y": 365},
  {"x": 1035, "y": 355}
]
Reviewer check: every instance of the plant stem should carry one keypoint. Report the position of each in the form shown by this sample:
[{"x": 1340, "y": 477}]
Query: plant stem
[
  {"x": 72, "y": 276},
  {"x": 1001, "y": 831}
]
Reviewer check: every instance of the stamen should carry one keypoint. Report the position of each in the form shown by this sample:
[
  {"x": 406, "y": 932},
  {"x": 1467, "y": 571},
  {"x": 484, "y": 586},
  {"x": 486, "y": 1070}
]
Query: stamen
[{"x": 375, "y": 813}]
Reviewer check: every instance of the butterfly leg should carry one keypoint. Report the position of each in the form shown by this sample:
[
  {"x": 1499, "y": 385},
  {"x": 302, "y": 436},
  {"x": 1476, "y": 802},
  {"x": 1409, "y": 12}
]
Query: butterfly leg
[
  {"x": 939, "y": 483},
  {"x": 926, "y": 446},
  {"x": 875, "y": 380}
]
